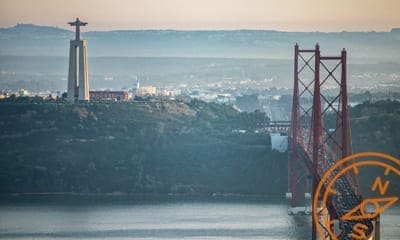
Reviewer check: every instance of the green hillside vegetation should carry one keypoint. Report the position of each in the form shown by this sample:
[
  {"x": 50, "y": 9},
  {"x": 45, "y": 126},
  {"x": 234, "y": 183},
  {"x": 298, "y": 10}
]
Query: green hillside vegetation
[
  {"x": 375, "y": 127},
  {"x": 146, "y": 147},
  {"x": 157, "y": 147}
]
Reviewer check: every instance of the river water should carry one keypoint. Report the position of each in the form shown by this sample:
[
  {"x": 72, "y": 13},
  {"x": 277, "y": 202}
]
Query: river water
[{"x": 159, "y": 218}]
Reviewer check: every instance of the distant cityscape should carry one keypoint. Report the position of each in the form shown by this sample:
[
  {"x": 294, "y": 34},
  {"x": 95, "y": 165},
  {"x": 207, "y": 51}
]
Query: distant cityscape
[{"x": 246, "y": 84}]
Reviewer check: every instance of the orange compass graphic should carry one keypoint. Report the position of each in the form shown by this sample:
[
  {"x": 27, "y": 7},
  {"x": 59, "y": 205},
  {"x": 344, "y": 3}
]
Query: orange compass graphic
[{"x": 339, "y": 212}]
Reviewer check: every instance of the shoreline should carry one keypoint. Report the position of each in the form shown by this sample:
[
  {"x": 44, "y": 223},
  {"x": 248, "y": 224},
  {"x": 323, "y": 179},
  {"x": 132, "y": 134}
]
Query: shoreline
[{"x": 150, "y": 197}]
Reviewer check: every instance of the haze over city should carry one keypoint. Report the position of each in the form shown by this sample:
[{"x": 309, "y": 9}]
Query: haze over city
[
  {"x": 286, "y": 15},
  {"x": 206, "y": 119}
]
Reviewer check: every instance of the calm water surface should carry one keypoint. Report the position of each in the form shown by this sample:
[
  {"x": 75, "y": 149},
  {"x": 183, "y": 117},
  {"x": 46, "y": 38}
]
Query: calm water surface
[{"x": 122, "y": 218}]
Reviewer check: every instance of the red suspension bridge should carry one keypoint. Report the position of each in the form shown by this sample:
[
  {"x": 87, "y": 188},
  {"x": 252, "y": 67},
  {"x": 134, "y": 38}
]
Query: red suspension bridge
[{"x": 320, "y": 89}]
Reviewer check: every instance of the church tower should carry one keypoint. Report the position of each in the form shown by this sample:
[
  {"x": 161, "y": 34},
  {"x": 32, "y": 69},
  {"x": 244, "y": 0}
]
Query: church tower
[{"x": 78, "y": 75}]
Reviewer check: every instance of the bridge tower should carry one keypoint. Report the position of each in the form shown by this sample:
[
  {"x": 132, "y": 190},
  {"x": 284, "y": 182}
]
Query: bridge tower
[{"x": 320, "y": 127}]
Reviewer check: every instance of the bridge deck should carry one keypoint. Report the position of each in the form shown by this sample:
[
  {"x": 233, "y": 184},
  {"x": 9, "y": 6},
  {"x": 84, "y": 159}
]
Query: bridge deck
[{"x": 343, "y": 201}]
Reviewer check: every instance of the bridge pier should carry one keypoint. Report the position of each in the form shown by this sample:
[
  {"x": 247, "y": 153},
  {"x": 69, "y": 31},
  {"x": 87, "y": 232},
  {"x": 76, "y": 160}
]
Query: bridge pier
[{"x": 377, "y": 235}]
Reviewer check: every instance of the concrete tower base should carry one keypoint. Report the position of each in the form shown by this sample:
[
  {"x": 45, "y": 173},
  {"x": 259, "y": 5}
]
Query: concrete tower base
[{"x": 78, "y": 75}]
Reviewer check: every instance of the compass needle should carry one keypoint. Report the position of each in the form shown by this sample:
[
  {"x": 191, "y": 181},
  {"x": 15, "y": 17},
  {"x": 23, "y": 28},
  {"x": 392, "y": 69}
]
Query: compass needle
[{"x": 360, "y": 211}]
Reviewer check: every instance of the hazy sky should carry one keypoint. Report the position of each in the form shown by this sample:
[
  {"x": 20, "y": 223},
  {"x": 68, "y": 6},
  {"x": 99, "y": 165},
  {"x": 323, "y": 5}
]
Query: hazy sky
[{"x": 290, "y": 15}]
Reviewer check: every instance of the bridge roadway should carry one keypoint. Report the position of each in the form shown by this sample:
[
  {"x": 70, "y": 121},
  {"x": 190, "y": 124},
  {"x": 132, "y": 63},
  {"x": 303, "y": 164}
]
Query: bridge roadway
[{"x": 343, "y": 201}]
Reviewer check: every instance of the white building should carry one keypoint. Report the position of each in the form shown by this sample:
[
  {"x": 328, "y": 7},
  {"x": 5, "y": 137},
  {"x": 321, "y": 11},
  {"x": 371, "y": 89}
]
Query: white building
[
  {"x": 135, "y": 90},
  {"x": 279, "y": 142},
  {"x": 23, "y": 92}
]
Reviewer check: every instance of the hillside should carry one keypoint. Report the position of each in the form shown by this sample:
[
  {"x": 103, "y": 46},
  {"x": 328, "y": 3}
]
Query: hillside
[
  {"x": 159, "y": 147},
  {"x": 33, "y": 40},
  {"x": 375, "y": 127}
]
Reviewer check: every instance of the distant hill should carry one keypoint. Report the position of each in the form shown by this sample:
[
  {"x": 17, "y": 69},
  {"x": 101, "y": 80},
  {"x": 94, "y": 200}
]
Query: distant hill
[
  {"x": 30, "y": 29},
  {"x": 395, "y": 30},
  {"x": 33, "y": 40}
]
